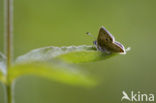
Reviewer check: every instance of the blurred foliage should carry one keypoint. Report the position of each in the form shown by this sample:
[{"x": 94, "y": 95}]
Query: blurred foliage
[
  {"x": 45, "y": 62},
  {"x": 62, "y": 23},
  {"x": 54, "y": 72},
  {"x": 2, "y": 68}
]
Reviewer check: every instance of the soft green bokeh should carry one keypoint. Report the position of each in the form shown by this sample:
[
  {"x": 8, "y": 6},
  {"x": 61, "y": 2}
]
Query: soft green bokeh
[
  {"x": 53, "y": 72},
  {"x": 39, "y": 23}
]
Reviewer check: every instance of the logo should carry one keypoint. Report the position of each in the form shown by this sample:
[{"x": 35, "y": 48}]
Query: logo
[{"x": 138, "y": 96}]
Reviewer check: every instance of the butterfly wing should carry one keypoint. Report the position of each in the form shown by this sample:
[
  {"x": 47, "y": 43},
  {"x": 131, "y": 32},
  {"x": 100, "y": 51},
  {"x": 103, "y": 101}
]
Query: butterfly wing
[
  {"x": 104, "y": 39},
  {"x": 117, "y": 47},
  {"x": 106, "y": 42},
  {"x": 105, "y": 35}
]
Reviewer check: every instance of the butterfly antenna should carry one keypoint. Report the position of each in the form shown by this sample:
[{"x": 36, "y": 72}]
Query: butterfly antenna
[{"x": 88, "y": 33}]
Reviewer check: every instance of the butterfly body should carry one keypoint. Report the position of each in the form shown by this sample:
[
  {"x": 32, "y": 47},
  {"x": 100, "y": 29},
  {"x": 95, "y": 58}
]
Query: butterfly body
[{"x": 106, "y": 42}]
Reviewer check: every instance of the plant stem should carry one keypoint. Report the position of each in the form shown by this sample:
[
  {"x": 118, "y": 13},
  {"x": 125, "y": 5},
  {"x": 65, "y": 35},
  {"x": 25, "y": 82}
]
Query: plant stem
[
  {"x": 8, "y": 30},
  {"x": 9, "y": 94},
  {"x": 8, "y": 10}
]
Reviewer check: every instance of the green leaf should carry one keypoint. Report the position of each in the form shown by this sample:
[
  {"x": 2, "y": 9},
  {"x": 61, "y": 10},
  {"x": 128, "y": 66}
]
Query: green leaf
[
  {"x": 84, "y": 56},
  {"x": 49, "y": 64},
  {"x": 72, "y": 54},
  {"x": 2, "y": 68},
  {"x": 61, "y": 73}
]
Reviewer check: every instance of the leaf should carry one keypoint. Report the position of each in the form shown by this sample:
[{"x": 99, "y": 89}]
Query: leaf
[
  {"x": 2, "y": 68},
  {"x": 61, "y": 73},
  {"x": 50, "y": 64},
  {"x": 72, "y": 54},
  {"x": 84, "y": 56}
]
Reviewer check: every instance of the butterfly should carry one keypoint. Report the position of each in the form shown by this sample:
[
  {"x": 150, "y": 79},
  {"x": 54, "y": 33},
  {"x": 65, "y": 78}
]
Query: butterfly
[{"x": 106, "y": 42}]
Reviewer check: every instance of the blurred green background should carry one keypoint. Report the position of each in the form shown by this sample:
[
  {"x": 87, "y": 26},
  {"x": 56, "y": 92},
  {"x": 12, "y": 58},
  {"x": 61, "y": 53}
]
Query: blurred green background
[{"x": 39, "y": 23}]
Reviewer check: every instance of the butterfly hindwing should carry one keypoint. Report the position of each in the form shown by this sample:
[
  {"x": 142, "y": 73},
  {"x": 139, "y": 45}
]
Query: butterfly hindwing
[{"x": 117, "y": 47}]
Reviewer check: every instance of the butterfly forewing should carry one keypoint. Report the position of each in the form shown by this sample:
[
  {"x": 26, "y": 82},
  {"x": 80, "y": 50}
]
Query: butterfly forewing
[
  {"x": 105, "y": 35},
  {"x": 106, "y": 41}
]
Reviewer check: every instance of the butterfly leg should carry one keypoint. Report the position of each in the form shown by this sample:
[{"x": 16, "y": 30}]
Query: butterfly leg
[
  {"x": 95, "y": 43},
  {"x": 103, "y": 49}
]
